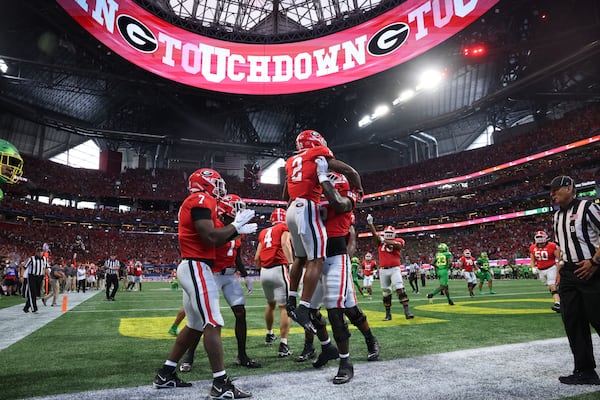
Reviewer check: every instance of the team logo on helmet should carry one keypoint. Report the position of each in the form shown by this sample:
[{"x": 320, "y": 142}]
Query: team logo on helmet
[
  {"x": 207, "y": 180},
  {"x": 541, "y": 237},
  {"x": 309, "y": 139},
  {"x": 277, "y": 216}
]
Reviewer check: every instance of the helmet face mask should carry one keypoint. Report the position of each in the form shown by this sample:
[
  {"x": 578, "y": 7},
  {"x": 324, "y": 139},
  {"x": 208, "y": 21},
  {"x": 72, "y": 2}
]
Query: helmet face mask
[
  {"x": 309, "y": 139},
  {"x": 230, "y": 205},
  {"x": 11, "y": 163},
  {"x": 278, "y": 216},
  {"x": 389, "y": 232},
  {"x": 541, "y": 237},
  {"x": 207, "y": 180}
]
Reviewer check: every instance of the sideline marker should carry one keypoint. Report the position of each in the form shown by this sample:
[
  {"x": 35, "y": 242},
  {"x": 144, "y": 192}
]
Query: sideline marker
[{"x": 65, "y": 301}]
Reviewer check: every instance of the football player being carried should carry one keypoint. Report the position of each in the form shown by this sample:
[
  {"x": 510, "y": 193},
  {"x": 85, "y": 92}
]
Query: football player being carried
[
  {"x": 273, "y": 257},
  {"x": 199, "y": 236},
  {"x": 543, "y": 254},
  {"x": 390, "y": 274},
  {"x": 468, "y": 266},
  {"x": 442, "y": 264},
  {"x": 303, "y": 190}
]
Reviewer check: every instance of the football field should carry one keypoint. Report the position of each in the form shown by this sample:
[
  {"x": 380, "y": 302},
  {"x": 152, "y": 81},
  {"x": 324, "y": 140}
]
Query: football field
[{"x": 487, "y": 344}]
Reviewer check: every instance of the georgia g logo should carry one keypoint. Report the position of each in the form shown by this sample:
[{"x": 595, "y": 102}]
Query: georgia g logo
[
  {"x": 136, "y": 34},
  {"x": 388, "y": 39}
]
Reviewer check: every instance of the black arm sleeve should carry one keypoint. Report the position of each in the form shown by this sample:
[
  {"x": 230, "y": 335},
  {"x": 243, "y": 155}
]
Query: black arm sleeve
[{"x": 200, "y": 213}]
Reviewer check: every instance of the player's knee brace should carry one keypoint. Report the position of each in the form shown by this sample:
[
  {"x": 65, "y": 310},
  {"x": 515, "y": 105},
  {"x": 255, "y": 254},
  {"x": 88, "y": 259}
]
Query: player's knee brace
[
  {"x": 387, "y": 300},
  {"x": 402, "y": 296},
  {"x": 356, "y": 316},
  {"x": 338, "y": 324},
  {"x": 317, "y": 319}
]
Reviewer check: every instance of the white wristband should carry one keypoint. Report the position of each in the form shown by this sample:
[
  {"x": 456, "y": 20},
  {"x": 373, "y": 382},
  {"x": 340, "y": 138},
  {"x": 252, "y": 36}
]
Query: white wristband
[{"x": 323, "y": 178}]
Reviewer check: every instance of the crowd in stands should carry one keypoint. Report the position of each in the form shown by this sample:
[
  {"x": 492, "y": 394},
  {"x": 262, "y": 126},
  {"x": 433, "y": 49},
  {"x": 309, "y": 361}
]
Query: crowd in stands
[{"x": 28, "y": 223}]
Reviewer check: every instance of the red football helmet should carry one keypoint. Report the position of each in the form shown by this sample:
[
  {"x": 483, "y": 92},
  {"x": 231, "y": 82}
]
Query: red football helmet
[
  {"x": 207, "y": 180},
  {"x": 368, "y": 256},
  {"x": 541, "y": 237},
  {"x": 277, "y": 216},
  {"x": 309, "y": 139},
  {"x": 467, "y": 253},
  {"x": 389, "y": 232},
  {"x": 230, "y": 205},
  {"x": 338, "y": 181}
]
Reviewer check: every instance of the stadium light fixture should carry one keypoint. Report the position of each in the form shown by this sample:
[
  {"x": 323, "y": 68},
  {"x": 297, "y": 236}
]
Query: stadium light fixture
[
  {"x": 404, "y": 97},
  {"x": 429, "y": 79},
  {"x": 3, "y": 66},
  {"x": 380, "y": 111},
  {"x": 364, "y": 121}
]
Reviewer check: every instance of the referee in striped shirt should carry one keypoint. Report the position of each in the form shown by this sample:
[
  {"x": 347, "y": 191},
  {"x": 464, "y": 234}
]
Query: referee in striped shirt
[
  {"x": 577, "y": 231},
  {"x": 112, "y": 267},
  {"x": 33, "y": 275}
]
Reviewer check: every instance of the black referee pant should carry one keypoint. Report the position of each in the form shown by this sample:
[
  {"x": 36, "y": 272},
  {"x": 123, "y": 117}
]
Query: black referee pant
[
  {"x": 579, "y": 304},
  {"x": 111, "y": 280},
  {"x": 33, "y": 289}
]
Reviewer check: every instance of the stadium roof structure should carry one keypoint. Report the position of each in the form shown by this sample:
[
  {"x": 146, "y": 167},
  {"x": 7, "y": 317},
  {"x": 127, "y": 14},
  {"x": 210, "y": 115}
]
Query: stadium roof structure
[{"x": 542, "y": 58}]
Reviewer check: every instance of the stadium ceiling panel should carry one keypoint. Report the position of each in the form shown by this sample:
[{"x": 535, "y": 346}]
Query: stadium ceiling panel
[{"x": 542, "y": 57}]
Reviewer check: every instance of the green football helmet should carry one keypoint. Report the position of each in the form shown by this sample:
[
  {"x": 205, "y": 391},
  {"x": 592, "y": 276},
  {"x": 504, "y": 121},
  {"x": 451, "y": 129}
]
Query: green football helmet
[
  {"x": 11, "y": 163},
  {"x": 484, "y": 254},
  {"x": 442, "y": 247},
  {"x": 355, "y": 260}
]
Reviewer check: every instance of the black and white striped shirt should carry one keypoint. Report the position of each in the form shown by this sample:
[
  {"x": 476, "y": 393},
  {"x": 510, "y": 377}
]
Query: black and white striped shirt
[
  {"x": 36, "y": 266},
  {"x": 577, "y": 230},
  {"x": 112, "y": 266}
]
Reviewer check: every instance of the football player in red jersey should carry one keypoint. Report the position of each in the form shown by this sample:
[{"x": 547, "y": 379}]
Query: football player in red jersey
[
  {"x": 309, "y": 238},
  {"x": 368, "y": 269},
  {"x": 467, "y": 265},
  {"x": 338, "y": 292},
  {"x": 229, "y": 261},
  {"x": 273, "y": 256},
  {"x": 544, "y": 255},
  {"x": 390, "y": 274},
  {"x": 198, "y": 239}
]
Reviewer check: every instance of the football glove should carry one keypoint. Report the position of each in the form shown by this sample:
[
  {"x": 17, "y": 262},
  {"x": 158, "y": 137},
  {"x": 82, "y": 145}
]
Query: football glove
[
  {"x": 242, "y": 218},
  {"x": 322, "y": 167},
  {"x": 369, "y": 219}
]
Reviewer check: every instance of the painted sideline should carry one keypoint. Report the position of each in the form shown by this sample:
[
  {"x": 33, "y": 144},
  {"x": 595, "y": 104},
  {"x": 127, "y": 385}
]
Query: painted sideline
[
  {"x": 16, "y": 324},
  {"x": 508, "y": 372}
]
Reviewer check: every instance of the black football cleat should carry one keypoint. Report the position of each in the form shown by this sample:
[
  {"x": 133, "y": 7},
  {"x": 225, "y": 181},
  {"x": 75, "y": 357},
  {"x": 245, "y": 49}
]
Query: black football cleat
[
  {"x": 226, "y": 390},
  {"x": 330, "y": 352},
  {"x": 344, "y": 374},
  {"x": 164, "y": 380}
]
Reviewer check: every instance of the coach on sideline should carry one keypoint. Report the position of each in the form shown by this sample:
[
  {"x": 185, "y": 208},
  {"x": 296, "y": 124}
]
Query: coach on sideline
[{"x": 577, "y": 232}]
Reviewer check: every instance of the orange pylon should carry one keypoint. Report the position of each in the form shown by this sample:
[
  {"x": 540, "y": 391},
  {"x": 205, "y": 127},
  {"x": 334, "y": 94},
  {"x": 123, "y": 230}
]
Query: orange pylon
[{"x": 64, "y": 303}]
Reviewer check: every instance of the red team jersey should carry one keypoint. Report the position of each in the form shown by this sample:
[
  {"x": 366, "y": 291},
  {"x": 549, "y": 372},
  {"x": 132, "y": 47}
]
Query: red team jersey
[
  {"x": 227, "y": 253},
  {"x": 138, "y": 270},
  {"x": 190, "y": 244},
  {"x": 338, "y": 225},
  {"x": 544, "y": 256},
  {"x": 467, "y": 263},
  {"x": 390, "y": 256},
  {"x": 368, "y": 267},
  {"x": 301, "y": 170},
  {"x": 271, "y": 253}
]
